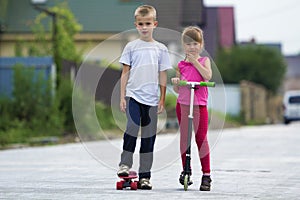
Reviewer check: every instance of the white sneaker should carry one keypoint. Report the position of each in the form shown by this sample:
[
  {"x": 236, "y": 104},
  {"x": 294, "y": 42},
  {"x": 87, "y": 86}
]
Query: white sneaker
[
  {"x": 144, "y": 184},
  {"x": 123, "y": 170}
]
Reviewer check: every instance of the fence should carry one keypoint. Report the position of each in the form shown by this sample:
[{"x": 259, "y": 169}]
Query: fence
[
  {"x": 43, "y": 65},
  {"x": 252, "y": 101},
  {"x": 258, "y": 105}
]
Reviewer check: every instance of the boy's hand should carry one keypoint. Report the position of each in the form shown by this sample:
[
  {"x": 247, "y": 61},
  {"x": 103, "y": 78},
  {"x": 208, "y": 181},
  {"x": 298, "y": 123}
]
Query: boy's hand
[
  {"x": 160, "y": 107},
  {"x": 175, "y": 81},
  {"x": 123, "y": 105}
]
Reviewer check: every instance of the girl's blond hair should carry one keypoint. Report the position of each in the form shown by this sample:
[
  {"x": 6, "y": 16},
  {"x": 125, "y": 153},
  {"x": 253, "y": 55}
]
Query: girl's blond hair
[{"x": 191, "y": 34}]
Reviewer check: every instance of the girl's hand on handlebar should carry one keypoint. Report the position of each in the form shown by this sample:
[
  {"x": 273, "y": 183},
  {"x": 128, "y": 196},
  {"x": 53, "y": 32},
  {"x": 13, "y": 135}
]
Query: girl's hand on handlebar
[{"x": 175, "y": 81}]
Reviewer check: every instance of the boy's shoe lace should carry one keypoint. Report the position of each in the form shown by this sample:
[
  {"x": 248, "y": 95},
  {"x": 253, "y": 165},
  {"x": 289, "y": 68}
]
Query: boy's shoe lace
[
  {"x": 144, "y": 184},
  {"x": 123, "y": 170},
  {"x": 205, "y": 183},
  {"x": 181, "y": 179}
]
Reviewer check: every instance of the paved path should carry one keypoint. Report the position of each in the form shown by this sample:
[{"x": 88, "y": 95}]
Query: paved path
[{"x": 247, "y": 163}]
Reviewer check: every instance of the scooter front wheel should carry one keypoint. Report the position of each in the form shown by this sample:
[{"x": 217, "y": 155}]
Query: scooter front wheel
[{"x": 186, "y": 182}]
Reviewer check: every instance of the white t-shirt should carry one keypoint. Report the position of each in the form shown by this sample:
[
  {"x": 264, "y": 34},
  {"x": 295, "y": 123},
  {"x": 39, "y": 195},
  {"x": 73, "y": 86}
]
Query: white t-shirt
[{"x": 146, "y": 60}]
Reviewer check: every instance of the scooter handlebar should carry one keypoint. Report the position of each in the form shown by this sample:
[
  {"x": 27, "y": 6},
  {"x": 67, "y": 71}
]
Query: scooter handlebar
[{"x": 201, "y": 83}]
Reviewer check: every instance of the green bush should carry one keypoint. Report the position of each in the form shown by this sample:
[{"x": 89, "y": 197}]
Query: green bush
[
  {"x": 36, "y": 110},
  {"x": 34, "y": 102},
  {"x": 170, "y": 105},
  {"x": 32, "y": 111},
  {"x": 105, "y": 116},
  {"x": 259, "y": 64},
  {"x": 64, "y": 102}
]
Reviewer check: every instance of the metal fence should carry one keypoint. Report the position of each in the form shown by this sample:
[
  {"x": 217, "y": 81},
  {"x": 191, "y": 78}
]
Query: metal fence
[{"x": 41, "y": 65}]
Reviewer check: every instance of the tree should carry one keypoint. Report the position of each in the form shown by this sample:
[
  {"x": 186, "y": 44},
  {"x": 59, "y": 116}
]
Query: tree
[
  {"x": 63, "y": 28},
  {"x": 256, "y": 63}
]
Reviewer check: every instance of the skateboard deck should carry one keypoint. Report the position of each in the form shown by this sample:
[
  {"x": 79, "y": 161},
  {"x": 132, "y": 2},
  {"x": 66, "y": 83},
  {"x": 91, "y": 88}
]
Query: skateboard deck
[{"x": 128, "y": 181}]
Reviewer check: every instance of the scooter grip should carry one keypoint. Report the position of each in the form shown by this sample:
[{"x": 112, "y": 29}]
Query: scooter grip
[
  {"x": 202, "y": 83},
  {"x": 182, "y": 83},
  {"x": 208, "y": 84}
]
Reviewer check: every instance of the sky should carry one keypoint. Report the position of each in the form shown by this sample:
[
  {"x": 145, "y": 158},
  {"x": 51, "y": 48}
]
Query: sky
[{"x": 267, "y": 21}]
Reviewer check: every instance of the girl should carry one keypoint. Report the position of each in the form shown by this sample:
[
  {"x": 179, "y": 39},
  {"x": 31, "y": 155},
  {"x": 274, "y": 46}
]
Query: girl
[{"x": 194, "y": 68}]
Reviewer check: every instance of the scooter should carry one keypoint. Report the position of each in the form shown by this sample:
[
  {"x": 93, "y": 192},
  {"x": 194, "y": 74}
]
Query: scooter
[{"x": 187, "y": 167}]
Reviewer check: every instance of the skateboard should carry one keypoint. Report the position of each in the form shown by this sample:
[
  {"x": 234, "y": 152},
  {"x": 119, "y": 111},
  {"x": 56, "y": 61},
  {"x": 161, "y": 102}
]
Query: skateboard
[{"x": 128, "y": 181}]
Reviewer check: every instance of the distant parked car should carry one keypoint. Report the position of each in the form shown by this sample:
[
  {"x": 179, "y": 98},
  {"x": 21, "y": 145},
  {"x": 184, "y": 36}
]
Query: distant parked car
[{"x": 291, "y": 106}]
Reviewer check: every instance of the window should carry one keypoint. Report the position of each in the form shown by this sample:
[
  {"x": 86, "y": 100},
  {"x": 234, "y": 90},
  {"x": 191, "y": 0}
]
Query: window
[
  {"x": 38, "y": 1},
  {"x": 294, "y": 100}
]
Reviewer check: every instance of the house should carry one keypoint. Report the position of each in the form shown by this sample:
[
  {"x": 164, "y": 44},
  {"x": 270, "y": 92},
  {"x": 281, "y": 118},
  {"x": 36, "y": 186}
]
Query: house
[
  {"x": 100, "y": 20},
  {"x": 109, "y": 24},
  {"x": 219, "y": 29},
  {"x": 292, "y": 76},
  {"x": 105, "y": 20},
  {"x": 276, "y": 46}
]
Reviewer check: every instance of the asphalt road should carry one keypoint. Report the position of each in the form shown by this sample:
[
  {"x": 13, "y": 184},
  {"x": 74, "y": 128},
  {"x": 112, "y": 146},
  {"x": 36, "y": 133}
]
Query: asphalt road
[{"x": 261, "y": 162}]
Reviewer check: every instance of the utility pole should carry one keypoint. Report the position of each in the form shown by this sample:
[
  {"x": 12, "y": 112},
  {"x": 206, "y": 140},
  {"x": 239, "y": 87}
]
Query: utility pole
[
  {"x": 54, "y": 24},
  {"x": 54, "y": 17}
]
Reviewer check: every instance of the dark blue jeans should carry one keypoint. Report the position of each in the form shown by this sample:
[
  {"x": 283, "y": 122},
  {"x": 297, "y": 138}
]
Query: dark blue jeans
[{"x": 144, "y": 117}]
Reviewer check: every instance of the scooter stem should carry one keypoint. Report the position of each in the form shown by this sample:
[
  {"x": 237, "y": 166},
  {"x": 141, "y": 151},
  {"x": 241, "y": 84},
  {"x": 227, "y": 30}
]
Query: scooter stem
[{"x": 192, "y": 100}]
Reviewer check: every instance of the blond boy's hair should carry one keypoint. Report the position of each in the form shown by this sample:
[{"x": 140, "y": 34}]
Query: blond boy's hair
[{"x": 145, "y": 10}]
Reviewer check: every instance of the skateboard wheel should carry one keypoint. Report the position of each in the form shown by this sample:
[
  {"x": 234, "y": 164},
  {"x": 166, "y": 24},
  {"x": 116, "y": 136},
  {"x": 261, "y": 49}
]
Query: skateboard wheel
[
  {"x": 119, "y": 185},
  {"x": 133, "y": 185}
]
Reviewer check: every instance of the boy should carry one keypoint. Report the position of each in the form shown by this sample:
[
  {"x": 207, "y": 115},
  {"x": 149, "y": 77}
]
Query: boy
[{"x": 145, "y": 62}]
